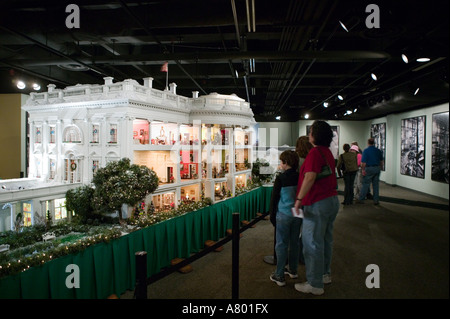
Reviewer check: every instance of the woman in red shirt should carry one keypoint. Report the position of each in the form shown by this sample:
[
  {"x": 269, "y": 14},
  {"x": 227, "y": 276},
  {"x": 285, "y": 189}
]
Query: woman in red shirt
[{"x": 320, "y": 203}]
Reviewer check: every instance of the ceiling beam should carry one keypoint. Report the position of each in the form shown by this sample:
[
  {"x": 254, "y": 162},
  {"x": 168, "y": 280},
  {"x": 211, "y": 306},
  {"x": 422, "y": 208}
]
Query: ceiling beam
[{"x": 160, "y": 58}]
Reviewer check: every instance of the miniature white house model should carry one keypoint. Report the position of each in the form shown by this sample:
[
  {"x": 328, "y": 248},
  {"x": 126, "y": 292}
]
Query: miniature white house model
[{"x": 196, "y": 145}]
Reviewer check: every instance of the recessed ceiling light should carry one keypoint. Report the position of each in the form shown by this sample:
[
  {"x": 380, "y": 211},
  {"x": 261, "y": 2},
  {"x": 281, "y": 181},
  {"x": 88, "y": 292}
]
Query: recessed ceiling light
[
  {"x": 417, "y": 91},
  {"x": 325, "y": 104},
  {"x": 340, "y": 97},
  {"x": 278, "y": 118},
  {"x": 343, "y": 26},
  {"x": 405, "y": 58},
  {"x": 423, "y": 59},
  {"x": 306, "y": 116},
  {"x": 36, "y": 87},
  {"x": 374, "y": 77},
  {"x": 21, "y": 85}
]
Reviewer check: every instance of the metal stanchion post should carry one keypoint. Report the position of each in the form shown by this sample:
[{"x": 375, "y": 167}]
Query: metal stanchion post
[
  {"x": 235, "y": 257},
  {"x": 141, "y": 275}
]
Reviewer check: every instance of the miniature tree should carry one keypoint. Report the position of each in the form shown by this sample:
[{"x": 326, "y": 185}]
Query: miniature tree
[
  {"x": 122, "y": 183},
  {"x": 79, "y": 200}
]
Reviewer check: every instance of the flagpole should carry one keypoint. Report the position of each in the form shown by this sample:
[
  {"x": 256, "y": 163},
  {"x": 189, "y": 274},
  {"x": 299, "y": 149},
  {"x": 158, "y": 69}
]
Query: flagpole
[{"x": 167, "y": 78}]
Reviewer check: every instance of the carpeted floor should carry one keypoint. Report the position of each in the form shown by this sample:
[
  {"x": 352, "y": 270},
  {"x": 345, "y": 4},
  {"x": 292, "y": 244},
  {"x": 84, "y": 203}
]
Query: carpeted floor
[{"x": 406, "y": 237}]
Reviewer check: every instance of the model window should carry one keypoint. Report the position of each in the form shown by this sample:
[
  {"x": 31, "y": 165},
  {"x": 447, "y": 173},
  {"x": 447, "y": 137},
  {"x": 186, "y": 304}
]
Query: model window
[
  {"x": 38, "y": 135},
  {"x": 72, "y": 134},
  {"x": 95, "y": 166},
  {"x": 52, "y": 136},
  {"x": 113, "y": 133},
  {"x": 71, "y": 170},
  {"x": 52, "y": 168},
  {"x": 26, "y": 212},
  {"x": 60, "y": 209},
  {"x": 38, "y": 166},
  {"x": 95, "y": 129}
]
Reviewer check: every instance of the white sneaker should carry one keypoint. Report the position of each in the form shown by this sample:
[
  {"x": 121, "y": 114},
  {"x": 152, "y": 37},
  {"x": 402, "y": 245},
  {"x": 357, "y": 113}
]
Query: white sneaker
[
  {"x": 278, "y": 280},
  {"x": 327, "y": 279},
  {"x": 306, "y": 288}
]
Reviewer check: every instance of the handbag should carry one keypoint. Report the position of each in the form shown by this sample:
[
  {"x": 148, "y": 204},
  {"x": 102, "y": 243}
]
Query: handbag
[
  {"x": 342, "y": 164},
  {"x": 326, "y": 169}
]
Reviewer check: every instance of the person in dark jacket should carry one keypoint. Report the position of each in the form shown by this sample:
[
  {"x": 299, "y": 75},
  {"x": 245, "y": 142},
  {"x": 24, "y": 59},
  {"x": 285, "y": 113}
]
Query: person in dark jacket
[
  {"x": 287, "y": 227},
  {"x": 348, "y": 166}
]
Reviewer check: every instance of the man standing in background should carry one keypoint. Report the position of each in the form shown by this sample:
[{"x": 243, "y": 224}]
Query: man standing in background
[{"x": 371, "y": 163}]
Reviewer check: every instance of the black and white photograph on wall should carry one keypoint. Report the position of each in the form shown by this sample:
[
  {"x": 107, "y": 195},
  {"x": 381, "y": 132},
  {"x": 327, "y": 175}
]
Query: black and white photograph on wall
[
  {"x": 412, "y": 161},
  {"x": 378, "y": 133},
  {"x": 334, "y": 146},
  {"x": 439, "y": 147}
]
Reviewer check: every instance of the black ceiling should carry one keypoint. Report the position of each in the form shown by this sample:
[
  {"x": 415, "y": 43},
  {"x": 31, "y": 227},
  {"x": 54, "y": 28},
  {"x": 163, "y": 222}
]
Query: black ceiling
[{"x": 302, "y": 56}]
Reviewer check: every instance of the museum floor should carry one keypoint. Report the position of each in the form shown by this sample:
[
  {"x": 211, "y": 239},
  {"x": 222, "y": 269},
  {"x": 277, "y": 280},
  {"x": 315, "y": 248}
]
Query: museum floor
[{"x": 406, "y": 236}]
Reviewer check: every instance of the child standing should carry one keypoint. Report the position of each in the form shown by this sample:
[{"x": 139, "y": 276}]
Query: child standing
[{"x": 287, "y": 227}]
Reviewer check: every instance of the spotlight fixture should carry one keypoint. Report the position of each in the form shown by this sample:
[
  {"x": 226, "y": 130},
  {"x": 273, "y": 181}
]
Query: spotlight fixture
[
  {"x": 416, "y": 91},
  {"x": 340, "y": 97},
  {"x": 343, "y": 25},
  {"x": 374, "y": 77},
  {"x": 21, "y": 85},
  {"x": 278, "y": 117},
  {"x": 36, "y": 87},
  {"x": 349, "y": 24},
  {"x": 405, "y": 58},
  {"x": 355, "y": 110},
  {"x": 306, "y": 116},
  {"x": 325, "y": 104},
  {"x": 423, "y": 59}
]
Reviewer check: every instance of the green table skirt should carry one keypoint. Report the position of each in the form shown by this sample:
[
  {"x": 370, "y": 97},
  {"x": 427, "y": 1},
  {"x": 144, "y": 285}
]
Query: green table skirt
[{"x": 109, "y": 268}]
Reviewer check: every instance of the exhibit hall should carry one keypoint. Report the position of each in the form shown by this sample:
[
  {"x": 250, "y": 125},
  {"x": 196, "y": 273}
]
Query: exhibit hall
[{"x": 189, "y": 149}]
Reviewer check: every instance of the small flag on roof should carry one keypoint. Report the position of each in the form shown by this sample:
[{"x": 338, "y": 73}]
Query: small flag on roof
[{"x": 165, "y": 67}]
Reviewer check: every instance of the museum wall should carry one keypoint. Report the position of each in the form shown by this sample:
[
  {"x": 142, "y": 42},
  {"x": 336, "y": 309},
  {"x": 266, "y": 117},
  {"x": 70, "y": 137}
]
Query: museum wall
[
  {"x": 393, "y": 150},
  {"x": 278, "y": 133},
  {"x": 12, "y": 135}
]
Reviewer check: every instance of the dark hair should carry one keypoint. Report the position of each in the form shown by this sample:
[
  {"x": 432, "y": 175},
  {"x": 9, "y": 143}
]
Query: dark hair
[
  {"x": 322, "y": 133},
  {"x": 346, "y": 147},
  {"x": 371, "y": 141},
  {"x": 290, "y": 158},
  {"x": 303, "y": 146}
]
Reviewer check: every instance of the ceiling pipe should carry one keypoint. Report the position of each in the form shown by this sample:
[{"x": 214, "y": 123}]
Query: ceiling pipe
[
  {"x": 54, "y": 51},
  {"x": 319, "y": 56},
  {"x": 313, "y": 61},
  {"x": 236, "y": 23},
  {"x": 248, "y": 16}
]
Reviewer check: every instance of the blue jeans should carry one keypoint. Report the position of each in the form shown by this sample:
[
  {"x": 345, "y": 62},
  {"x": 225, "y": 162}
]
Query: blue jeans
[
  {"x": 372, "y": 176},
  {"x": 317, "y": 235},
  {"x": 287, "y": 245}
]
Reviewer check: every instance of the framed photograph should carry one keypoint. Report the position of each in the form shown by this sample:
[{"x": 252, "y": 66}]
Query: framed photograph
[
  {"x": 378, "y": 133},
  {"x": 412, "y": 156},
  {"x": 439, "y": 147},
  {"x": 334, "y": 146}
]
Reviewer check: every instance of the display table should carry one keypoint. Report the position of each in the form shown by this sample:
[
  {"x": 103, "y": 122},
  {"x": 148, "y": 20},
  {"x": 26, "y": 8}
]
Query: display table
[{"x": 109, "y": 268}]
